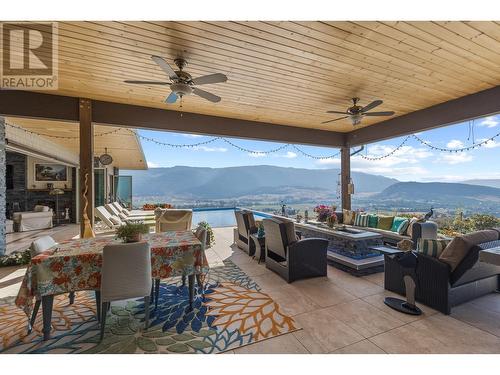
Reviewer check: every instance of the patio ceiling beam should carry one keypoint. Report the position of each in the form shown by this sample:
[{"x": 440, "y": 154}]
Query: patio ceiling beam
[
  {"x": 480, "y": 104},
  {"x": 57, "y": 107}
]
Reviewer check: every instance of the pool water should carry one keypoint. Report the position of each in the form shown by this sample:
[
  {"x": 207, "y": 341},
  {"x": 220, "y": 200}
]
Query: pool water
[{"x": 218, "y": 217}]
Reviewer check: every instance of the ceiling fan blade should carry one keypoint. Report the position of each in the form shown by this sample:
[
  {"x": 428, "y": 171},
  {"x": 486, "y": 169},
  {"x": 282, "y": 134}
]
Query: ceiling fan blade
[
  {"x": 146, "y": 82},
  {"x": 387, "y": 113},
  {"x": 206, "y": 95},
  {"x": 172, "y": 98},
  {"x": 165, "y": 67},
  {"x": 211, "y": 78},
  {"x": 373, "y": 104},
  {"x": 340, "y": 113},
  {"x": 340, "y": 118}
]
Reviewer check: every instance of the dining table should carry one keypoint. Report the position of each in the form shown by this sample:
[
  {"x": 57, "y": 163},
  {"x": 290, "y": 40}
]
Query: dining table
[{"x": 76, "y": 264}]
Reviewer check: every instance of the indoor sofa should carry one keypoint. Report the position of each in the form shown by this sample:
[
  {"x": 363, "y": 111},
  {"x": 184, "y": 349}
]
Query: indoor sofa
[{"x": 40, "y": 218}]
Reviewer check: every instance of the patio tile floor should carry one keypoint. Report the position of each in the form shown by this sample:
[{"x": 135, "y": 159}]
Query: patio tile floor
[{"x": 342, "y": 313}]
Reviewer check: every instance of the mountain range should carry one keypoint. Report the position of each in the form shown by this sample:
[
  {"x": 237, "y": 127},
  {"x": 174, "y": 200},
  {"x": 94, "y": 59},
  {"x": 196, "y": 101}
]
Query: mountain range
[
  {"x": 233, "y": 182},
  {"x": 266, "y": 184}
]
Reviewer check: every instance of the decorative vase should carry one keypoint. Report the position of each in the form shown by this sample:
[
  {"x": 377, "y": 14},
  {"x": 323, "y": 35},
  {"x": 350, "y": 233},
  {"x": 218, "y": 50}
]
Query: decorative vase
[{"x": 136, "y": 237}]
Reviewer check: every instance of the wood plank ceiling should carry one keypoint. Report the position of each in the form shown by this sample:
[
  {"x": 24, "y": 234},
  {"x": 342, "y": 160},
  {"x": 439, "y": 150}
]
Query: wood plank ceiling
[{"x": 287, "y": 73}]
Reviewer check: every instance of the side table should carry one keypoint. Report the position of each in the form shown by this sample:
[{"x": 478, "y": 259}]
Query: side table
[{"x": 260, "y": 247}]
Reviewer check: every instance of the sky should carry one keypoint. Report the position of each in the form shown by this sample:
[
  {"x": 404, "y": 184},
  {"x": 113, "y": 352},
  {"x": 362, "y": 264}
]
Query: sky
[{"x": 412, "y": 162}]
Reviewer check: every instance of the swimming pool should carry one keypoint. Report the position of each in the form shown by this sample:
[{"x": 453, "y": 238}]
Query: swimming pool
[{"x": 219, "y": 217}]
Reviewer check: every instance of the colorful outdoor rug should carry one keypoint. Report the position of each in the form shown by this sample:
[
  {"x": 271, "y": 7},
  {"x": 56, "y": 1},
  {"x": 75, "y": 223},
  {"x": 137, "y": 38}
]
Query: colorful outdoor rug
[{"x": 233, "y": 313}]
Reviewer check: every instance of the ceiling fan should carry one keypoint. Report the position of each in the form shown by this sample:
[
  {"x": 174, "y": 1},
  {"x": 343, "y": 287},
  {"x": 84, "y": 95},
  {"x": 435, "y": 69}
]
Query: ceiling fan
[
  {"x": 356, "y": 112},
  {"x": 181, "y": 83}
]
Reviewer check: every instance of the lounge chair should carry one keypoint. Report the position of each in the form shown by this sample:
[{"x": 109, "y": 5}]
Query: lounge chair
[
  {"x": 113, "y": 210},
  {"x": 173, "y": 219},
  {"x": 131, "y": 213},
  {"x": 245, "y": 222},
  {"x": 111, "y": 221},
  {"x": 290, "y": 257}
]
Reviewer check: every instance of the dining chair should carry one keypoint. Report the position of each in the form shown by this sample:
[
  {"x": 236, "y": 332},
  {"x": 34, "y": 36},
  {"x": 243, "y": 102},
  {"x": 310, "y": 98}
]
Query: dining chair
[
  {"x": 174, "y": 219},
  {"x": 37, "y": 247},
  {"x": 126, "y": 273},
  {"x": 201, "y": 234}
]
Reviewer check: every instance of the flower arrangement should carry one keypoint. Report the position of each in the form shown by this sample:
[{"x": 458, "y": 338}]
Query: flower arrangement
[
  {"x": 323, "y": 212},
  {"x": 153, "y": 206},
  {"x": 15, "y": 259},
  {"x": 132, "y": 232}
]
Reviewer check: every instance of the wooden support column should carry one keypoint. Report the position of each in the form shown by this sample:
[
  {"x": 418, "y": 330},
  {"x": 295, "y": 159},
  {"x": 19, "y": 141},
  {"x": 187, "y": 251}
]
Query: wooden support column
[
  {"x": 86, "y": 161},
  {"x": 345, "y": 176}
]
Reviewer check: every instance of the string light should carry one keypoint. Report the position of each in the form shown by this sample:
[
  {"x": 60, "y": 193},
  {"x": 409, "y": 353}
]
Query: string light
[
  {"x": 279, "y": 148},
  {"x": 61, "y": 136},
  {"x": 388, "y": 154}
]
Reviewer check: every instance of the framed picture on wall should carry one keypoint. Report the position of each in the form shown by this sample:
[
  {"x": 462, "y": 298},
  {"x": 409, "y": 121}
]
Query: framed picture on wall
[{"x": 47, "y": 172}]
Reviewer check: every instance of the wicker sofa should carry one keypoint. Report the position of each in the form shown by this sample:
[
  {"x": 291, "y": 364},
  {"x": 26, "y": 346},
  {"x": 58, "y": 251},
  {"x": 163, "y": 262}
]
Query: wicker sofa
[
  {"x": 426, "y": 229},
  {"x": 441, "y": 285}
]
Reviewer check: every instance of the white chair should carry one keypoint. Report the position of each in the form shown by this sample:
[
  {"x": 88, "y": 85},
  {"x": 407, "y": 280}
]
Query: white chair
[
  {"x": 174, "y": 219},
  {"x": 133, "y": 213},
  {"x": 111, "y": 221},
  {"x": 114, "y": 210},
  {"x": 126, "y": 273},
  {"x": 37, "y": 247}
]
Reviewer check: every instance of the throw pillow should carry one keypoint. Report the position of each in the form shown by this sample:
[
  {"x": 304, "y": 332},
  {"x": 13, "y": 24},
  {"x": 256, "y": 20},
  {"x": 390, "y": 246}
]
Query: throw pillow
[
  {"x": 372, "y": 221},
  {"x": 385, "y": 222},
  {"x": 396, "y": 223},
  {"x": 361, "y": 220},
  {"x": 348, "y": 216},
  {"x": 458, "y": 248},
  {"x": 433, "y": 248},
  {"x": 409, "y": 230},
  {"x": 403, "y": 227}
]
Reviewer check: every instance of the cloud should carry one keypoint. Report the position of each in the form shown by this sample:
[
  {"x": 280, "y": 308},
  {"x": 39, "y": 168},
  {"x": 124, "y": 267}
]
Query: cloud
[
  {"x": 289, "y": 155},
  {"x": 455, "y": 143},
  {"x": 256, "y": 154},
  {"x": 210, "y": 149},
  {"x": 490, "y": 122},
  {"x": 453, "y": 159},
  {"x": 152, "y": 164}
]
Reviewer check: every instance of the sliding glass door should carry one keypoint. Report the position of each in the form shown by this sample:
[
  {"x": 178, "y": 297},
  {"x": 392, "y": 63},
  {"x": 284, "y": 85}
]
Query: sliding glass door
[{"x": 123, "y": 190}]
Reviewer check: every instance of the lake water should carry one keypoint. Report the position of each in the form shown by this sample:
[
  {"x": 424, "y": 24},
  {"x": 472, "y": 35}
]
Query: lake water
[{"x": 218, "y": 217}]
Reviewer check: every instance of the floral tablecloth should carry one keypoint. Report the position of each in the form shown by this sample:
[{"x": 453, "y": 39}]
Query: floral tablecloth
[{"x": 76, "y": 264}]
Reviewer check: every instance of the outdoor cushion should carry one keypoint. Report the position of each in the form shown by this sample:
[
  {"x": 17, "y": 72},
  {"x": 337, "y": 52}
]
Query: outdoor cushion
[
  {"x": 361, "y": 220},
  {"x": 458, "y": 248},
  {"x": 433, "y": 248},
  {"x": 115, "y": 220},
  {"x": 396, "y": 223},
  {"x": 349, "y": 216},
  {"x": 403, "y": 227},
  {"x": 409, "y": 230},
  {"x": 385, "y": 222},
  {"x": 372, "y": 221}
]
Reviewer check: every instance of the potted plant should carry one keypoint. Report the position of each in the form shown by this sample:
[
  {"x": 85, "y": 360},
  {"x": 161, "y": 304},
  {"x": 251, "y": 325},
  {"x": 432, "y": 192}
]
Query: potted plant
[
  {"x": 260, "y": 230},
  {"x": 332, "y": 220},
  {"x": 132, "y": 232},
  {"x": 210, "y": 233}
]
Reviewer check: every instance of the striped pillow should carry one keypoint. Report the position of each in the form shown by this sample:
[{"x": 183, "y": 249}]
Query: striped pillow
[
  {"x": 361, "y": 220},
  {"x": 403, "y": 227},
  {"x": 433, "y": 248}
]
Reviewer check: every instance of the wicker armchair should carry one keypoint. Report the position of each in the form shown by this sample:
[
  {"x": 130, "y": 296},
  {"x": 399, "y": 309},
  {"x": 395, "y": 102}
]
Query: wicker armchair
[
  {"x": 290, "y": 257},
  {"x": 246, "y": 226}
]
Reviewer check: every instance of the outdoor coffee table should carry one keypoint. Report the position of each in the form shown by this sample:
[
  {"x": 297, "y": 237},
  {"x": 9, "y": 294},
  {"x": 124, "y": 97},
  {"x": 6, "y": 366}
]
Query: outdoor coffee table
[
  {"x": 491, "y": 256},
  {"x": 349, "y": 248},
  {"x": 76, "y": 265}
]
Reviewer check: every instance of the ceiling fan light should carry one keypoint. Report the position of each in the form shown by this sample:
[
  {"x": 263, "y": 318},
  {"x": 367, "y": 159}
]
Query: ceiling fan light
[
  {"x": 356, "y": 119},
  {"x": 181, "y": 89}
]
